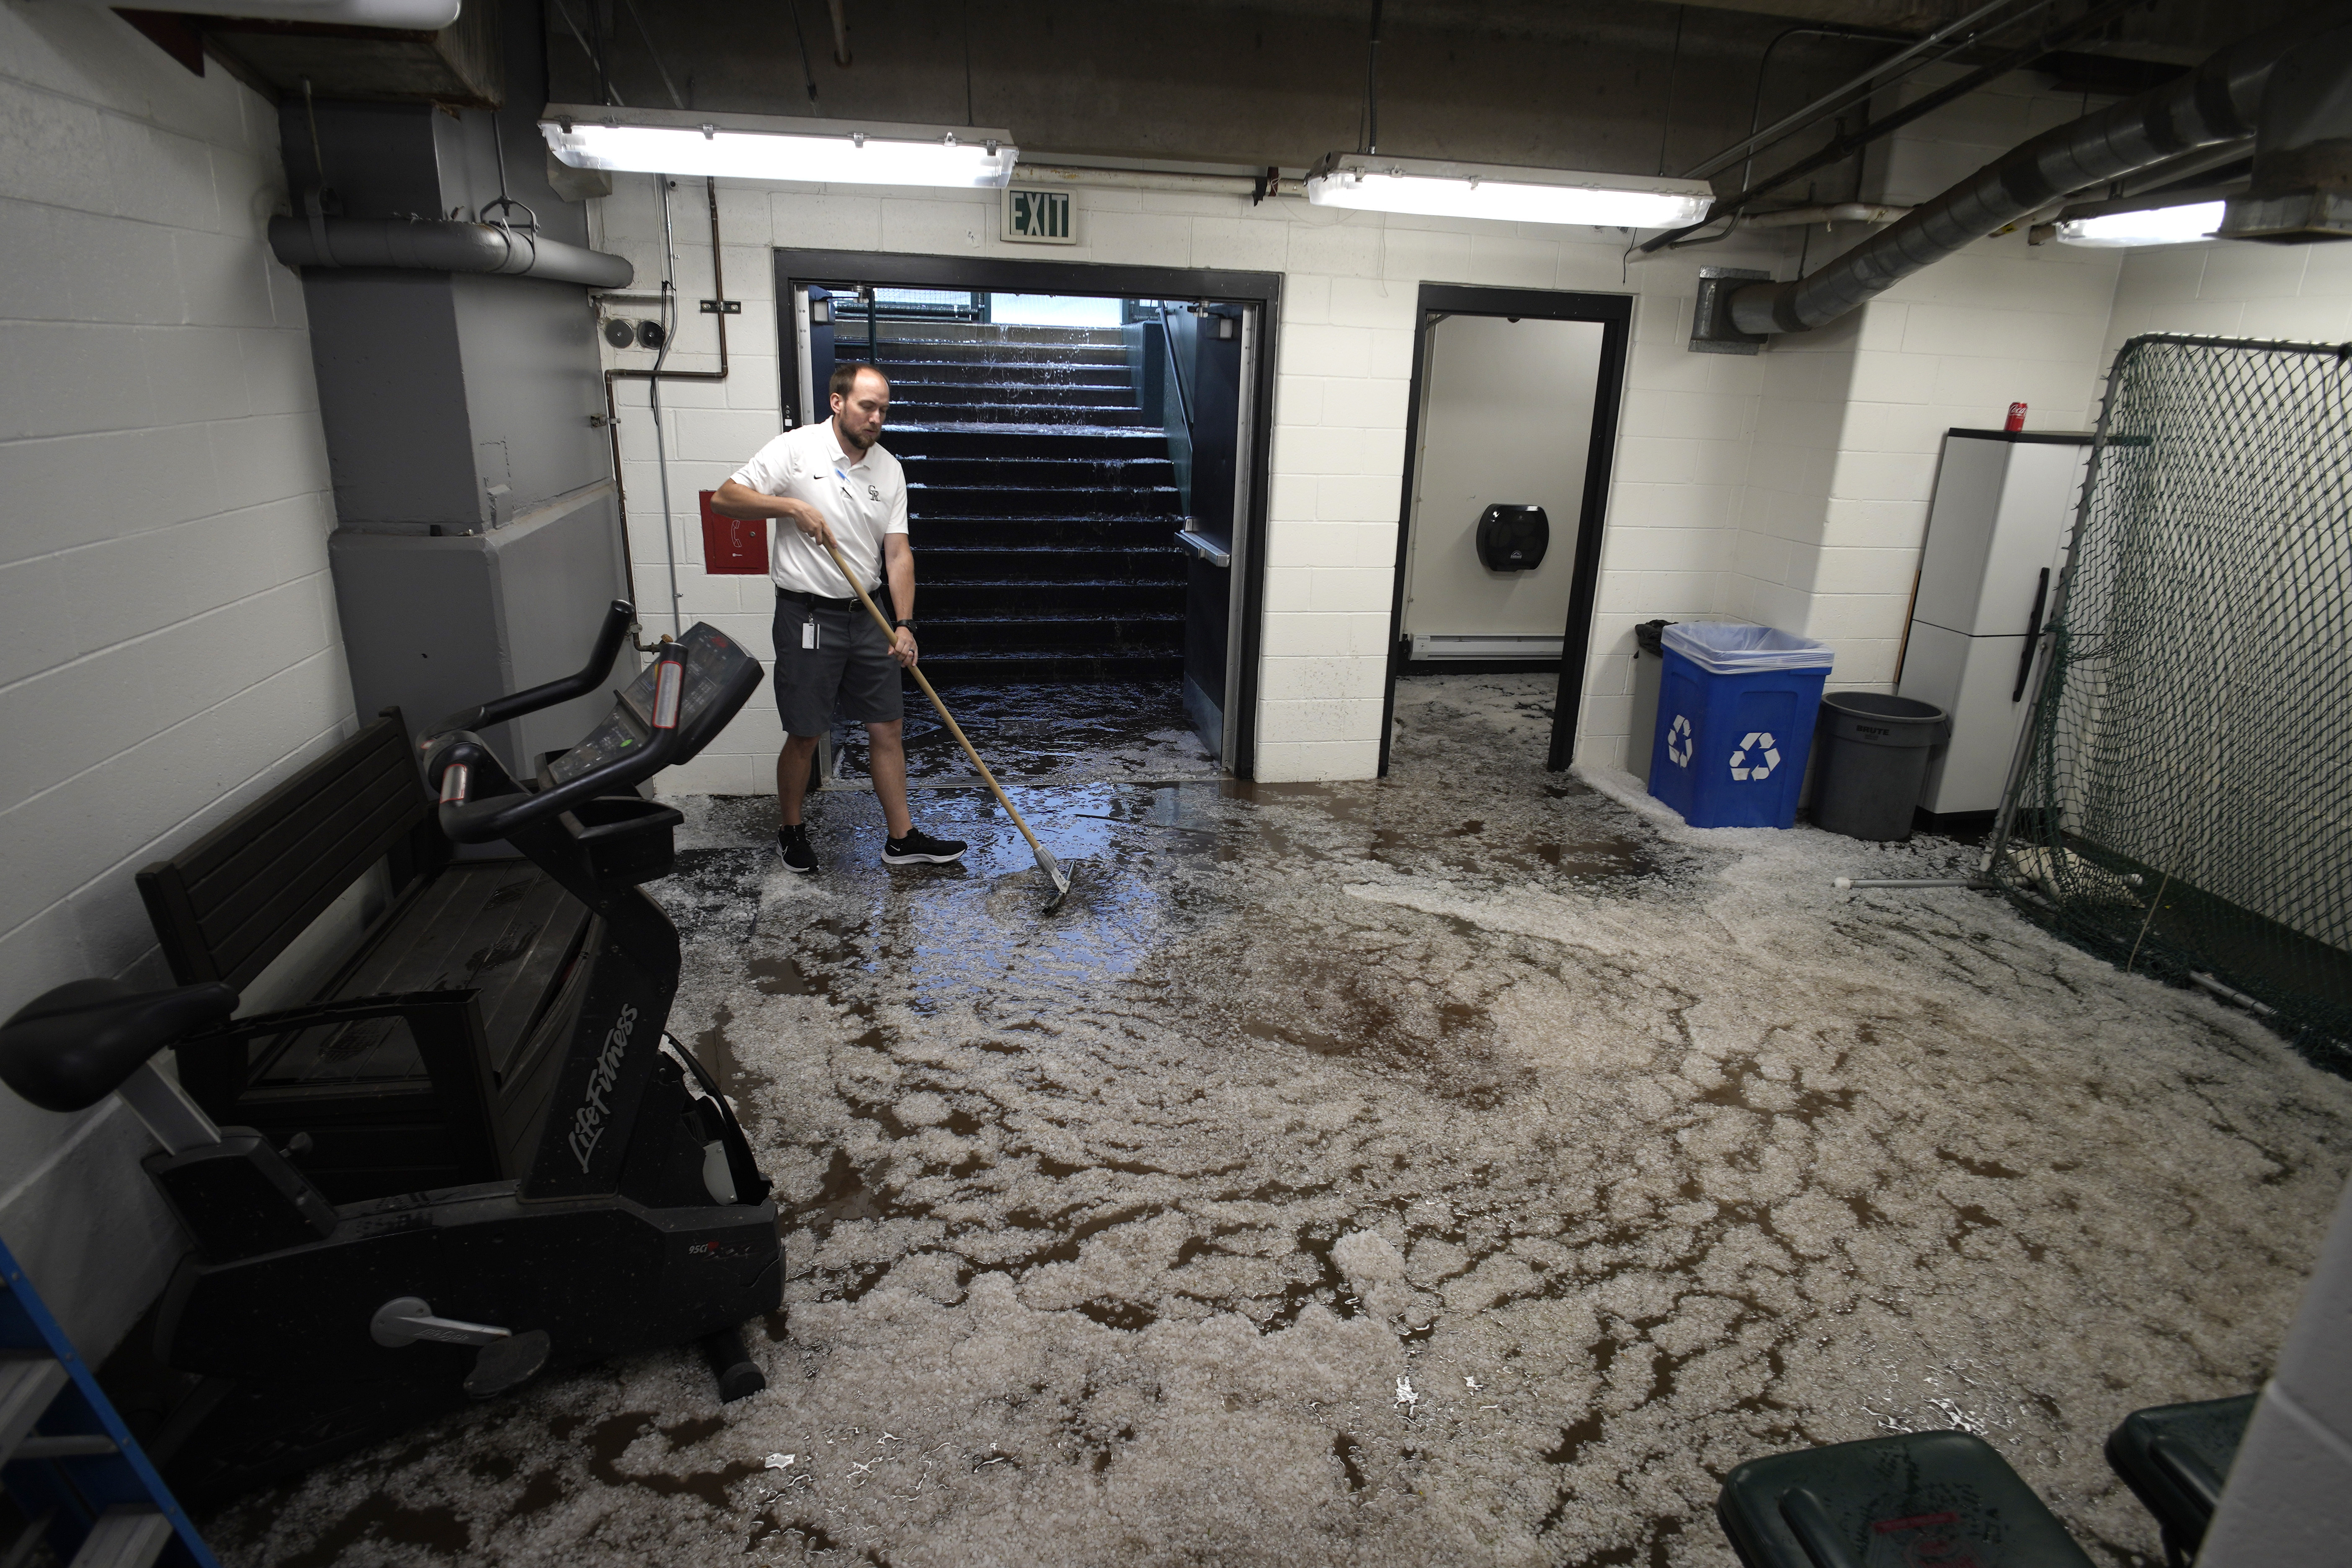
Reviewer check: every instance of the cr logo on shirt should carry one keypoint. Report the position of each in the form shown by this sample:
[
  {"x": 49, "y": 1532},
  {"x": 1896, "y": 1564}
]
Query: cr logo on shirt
[{"x": 872, "y": 492}]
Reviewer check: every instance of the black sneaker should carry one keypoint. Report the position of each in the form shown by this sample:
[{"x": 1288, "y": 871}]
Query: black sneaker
[
  {"x": 919, "y": 848},
  {"x": 794, "y": 842}
]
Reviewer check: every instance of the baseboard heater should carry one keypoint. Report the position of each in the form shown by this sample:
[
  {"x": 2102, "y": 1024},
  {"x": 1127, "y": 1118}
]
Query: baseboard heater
[{"x": 1437, "y": 646}]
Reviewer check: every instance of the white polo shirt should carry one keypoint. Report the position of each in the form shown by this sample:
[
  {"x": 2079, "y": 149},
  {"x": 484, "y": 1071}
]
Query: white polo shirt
[{"x": 863, "y": 501}]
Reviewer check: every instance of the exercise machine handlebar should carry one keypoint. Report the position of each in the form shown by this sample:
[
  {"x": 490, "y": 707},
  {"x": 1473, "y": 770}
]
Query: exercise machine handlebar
[
  {"x": 459, "y": 760},
  {"x": 618, "y": 619}
]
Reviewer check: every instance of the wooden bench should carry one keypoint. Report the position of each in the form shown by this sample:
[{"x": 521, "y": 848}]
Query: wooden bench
[{"x": 423, "y": 1061}]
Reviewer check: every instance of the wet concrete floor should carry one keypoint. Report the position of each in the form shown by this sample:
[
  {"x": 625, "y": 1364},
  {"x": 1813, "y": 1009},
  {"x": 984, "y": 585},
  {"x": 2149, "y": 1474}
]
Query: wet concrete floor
[
  {"x": 1084, "y": 729},
  {"x": 1459, "y": 1168}
]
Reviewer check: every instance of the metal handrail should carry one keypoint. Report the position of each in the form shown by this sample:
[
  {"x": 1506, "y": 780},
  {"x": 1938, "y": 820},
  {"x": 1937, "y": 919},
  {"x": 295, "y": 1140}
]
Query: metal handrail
[{"x": 1175, "y": 372}]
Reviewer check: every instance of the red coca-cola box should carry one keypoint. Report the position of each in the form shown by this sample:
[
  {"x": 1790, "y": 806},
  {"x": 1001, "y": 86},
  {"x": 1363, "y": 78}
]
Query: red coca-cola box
[{"x": 732, "y": 546}]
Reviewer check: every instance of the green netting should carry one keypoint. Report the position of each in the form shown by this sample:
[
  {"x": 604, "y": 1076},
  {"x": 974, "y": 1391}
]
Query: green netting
[{"x": 2183, "y": 802}]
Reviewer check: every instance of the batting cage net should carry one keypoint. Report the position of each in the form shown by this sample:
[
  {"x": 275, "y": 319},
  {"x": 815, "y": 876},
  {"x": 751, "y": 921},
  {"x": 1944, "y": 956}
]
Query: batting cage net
[{"x": 2183, "y": 802}]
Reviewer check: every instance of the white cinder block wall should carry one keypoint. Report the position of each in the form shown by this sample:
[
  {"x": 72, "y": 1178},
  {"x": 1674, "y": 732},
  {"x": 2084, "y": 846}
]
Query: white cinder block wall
[
  {"x": 1790, "y": 487},
  {"x": 1870, "y": 397},
  {"x": 168, "y": 644},
  {"x": 2291, "y": 293},
  {"x": 1854, "y": 414},
  {"x": 1344, "y": 367}
]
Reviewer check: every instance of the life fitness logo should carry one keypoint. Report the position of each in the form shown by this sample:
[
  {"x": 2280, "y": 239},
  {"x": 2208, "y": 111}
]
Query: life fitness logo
[
  {"x": 1756, "y": 772},
  {"x": 588, "y": 1122},
  {"x": 1678, "y": 742}
]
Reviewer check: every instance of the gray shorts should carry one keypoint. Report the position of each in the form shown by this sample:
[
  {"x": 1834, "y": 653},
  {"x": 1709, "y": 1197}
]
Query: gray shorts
[{"x": 850, "y": 668}]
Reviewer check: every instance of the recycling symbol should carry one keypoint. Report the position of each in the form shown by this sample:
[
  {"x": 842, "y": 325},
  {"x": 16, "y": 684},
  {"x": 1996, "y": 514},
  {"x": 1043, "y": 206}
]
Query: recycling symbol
[
  {"x": 1678, "y": 742},
  {"x": 1755, "y": 741}
]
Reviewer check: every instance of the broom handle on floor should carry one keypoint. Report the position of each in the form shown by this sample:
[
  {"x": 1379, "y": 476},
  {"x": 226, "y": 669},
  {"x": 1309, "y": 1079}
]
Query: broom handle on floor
[{"x": 890, "y": 634}]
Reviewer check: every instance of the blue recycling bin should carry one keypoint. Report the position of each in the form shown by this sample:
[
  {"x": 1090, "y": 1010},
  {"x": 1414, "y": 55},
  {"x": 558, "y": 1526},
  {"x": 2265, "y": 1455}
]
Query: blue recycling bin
[{"x": 1736, "y": 709}]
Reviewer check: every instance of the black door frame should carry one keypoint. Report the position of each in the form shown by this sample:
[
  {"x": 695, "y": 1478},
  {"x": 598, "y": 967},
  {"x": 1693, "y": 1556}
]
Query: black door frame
[
  {"x": 1020, "y": 275},
  {"x": 1615, "y": 314}
]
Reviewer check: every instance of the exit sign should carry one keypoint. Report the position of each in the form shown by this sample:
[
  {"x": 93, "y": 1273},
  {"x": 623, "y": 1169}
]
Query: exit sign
[{"x": 1038, "y": 217}]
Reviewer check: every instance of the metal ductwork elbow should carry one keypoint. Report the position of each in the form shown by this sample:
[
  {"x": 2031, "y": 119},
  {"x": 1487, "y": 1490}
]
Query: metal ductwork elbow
[
  {"x": 442, "y": 246},
  {"x": 2302, "y": 185},
  {"x": 2220, "y": 101}
]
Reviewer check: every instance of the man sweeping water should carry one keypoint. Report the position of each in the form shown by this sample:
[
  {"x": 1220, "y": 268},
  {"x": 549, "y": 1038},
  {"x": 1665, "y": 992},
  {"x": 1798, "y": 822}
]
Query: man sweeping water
[{"x": 841, "y": 492}]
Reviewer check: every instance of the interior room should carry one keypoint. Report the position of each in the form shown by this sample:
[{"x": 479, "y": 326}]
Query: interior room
[{"x": 1284, "y": 781}]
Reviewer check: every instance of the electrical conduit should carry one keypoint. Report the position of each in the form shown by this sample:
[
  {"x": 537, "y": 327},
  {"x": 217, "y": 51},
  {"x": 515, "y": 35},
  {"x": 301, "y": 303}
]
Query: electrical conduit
[
  {"x": 2216, "y": 102},
  {"x": 611, "y": 405}
]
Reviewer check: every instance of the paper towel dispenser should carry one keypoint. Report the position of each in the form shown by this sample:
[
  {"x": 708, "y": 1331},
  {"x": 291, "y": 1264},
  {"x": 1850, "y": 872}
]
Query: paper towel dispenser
[{"x": 1513, "y": 537}]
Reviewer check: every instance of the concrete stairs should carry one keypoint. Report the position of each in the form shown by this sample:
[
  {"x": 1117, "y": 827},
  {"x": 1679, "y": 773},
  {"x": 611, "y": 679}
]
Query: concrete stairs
[{"x": 1043, "y": 508}]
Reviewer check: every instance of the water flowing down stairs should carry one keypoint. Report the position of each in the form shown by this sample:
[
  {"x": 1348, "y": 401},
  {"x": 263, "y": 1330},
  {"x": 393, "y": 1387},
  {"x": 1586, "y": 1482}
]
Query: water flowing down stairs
[{"x": 1043, "y": 505}]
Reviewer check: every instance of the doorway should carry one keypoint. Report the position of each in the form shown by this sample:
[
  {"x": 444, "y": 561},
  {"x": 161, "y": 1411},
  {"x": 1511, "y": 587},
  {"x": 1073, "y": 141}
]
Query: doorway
[
  {"x": 1086, "y": 451},
  {"x": 1509, "y": 441}
]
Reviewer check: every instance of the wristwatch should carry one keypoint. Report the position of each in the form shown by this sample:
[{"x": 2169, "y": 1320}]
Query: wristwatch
[{"x": 908, "y": 625}]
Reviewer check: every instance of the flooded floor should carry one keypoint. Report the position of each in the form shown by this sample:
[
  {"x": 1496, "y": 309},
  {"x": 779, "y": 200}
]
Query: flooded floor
[
  {"x": 1093, "y": 730},
  {"x": 1464, "y": 1167}
]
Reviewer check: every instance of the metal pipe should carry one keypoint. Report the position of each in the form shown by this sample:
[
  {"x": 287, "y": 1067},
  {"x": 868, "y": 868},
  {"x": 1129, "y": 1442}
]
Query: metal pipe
[
  {"x": 611, "y": 405},
  {"x": 406, "y": 15},
  {"x": 653, "y": 398},
  {"x": 596, "y": 59},
  {"x": 1155, "y": 180},
  {"x": 1836, "y": 96},
  {"x": 1836, "y": 212},
  {"x": 2180, "y": 170},
  {"x": 2216, "y": 102},
  {"x": 441, "y": 245},
  {"x": 2227, "y": 994},
  {"x": 654, "y": 55},
  {"x": 2025, "y": 53},
  {"x": 840, "y": 33},
  {"x": 1764, "y": 66}
]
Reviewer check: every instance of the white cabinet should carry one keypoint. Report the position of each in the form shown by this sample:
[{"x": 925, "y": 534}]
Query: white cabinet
[{"x": 1995, "y": 540}]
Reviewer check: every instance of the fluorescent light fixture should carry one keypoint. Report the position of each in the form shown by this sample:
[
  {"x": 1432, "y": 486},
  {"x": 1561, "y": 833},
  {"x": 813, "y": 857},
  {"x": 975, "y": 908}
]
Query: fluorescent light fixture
[
  {"x": 1374, "y": 182},
  {"x": 771, "y": 147},
  {"x": 2149, "y": 225}
]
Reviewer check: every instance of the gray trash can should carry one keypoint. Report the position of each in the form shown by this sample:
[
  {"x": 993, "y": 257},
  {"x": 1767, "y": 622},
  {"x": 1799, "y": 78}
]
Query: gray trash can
[{"x": 1875, "y": 763}]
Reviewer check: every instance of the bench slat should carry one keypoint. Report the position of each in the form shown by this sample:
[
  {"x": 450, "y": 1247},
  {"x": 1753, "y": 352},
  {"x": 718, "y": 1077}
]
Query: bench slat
[
  {"x": 227, "y": 905},
  {"x": 256, "y": 903}
]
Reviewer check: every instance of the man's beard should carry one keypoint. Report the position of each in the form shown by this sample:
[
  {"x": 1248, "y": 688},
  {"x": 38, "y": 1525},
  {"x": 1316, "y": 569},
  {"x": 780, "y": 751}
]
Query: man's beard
[{"x": 851, "y": 437}]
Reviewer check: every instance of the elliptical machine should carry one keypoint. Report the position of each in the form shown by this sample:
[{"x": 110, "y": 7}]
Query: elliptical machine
[{"x": 641, "y": 1219}]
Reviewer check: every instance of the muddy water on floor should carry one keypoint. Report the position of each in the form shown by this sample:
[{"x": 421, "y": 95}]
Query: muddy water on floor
[
  {"x": 1180, "y": 914},
  {"x": 1094, "y": 729},
  {"x": 1445, "y": 1168}
]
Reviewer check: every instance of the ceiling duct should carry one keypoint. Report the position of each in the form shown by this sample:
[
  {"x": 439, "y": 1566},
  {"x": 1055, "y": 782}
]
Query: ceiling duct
[
  {"x": 2219, "y": 102},
  {"x": 2302, "y": 185}
]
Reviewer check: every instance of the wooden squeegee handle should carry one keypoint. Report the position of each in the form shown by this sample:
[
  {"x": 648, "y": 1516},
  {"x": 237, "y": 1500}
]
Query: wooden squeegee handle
[{"x": 890, "y": 634}]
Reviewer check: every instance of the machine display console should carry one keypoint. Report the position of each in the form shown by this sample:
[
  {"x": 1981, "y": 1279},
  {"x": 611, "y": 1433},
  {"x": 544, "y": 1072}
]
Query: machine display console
[{"x": 712, "y": 662}]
